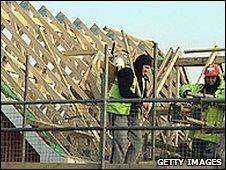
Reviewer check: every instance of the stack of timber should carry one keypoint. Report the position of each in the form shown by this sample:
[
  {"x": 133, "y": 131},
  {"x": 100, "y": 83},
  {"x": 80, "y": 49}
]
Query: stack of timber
[{"x": 66, "y": 63}]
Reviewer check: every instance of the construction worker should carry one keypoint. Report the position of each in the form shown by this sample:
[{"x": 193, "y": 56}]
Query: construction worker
[
  {"x": 205, "y": 144},
  {"x": 127, "y": 144}
]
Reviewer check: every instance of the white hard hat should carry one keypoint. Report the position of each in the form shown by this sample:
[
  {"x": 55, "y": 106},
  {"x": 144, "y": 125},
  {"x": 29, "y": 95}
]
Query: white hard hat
[{"x": 119, "y": 62}]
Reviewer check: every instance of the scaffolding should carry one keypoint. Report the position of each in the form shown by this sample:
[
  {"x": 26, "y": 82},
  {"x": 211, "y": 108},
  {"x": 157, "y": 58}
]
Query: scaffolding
[{"x": 55, "y": 77}]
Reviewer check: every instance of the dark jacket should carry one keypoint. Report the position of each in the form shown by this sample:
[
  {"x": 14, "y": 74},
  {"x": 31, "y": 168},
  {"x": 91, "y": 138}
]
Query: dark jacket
[{"x": 125, "y": 79}]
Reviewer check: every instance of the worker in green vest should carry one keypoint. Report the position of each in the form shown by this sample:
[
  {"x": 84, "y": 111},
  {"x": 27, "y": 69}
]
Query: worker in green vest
[
  {"x": 205, "y": 144},
  {"x": 127, "y": 144}
]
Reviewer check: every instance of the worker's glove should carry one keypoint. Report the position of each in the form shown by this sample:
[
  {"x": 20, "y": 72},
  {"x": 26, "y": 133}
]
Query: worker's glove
[{"x": 186, "y": 94}]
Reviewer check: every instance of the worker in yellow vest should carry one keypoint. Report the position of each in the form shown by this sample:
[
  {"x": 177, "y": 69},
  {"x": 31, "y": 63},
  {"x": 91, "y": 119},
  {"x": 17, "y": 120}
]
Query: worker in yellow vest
[
  {"x": 127, "y": 144},
  {"x": 204, "y": 144}
]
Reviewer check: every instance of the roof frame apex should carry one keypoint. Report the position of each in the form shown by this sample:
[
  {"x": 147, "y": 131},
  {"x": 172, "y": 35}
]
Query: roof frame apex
[
  {"x": 42, "y": 11},
  {"x": 60, "y": 17}
]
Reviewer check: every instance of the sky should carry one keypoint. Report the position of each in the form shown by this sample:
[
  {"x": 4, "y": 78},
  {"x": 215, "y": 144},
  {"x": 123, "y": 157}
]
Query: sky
[
  {"x": 188, "y": 24},
  {"x": 185, "y": 24}
]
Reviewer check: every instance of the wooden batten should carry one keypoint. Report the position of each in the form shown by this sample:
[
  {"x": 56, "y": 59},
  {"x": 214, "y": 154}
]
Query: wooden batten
[{"x": 66, "y": 61}]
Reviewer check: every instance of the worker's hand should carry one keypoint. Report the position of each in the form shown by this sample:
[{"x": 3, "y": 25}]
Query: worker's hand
[
  {"x": 146, "y": 106},
  {"x": 187, "y": 95},
  {"x": 145, "y": 114}
]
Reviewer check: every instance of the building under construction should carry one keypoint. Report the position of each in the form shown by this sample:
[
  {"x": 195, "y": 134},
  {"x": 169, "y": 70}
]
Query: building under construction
[{"x": 55, "y": 78}]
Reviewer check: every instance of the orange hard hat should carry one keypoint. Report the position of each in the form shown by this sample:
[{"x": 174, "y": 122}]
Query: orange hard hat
[{"x": 212, "y": 70}]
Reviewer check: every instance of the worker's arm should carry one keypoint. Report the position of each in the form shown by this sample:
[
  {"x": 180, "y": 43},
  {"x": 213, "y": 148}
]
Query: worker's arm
[
  {"x": 220, "y": 93},
  {"x": 194, "y": 88},
  {"x": 125, "y": 81}
]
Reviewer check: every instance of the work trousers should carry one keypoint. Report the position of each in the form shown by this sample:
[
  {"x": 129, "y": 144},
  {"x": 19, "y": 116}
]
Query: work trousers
[{"x": 127, "y": 144}]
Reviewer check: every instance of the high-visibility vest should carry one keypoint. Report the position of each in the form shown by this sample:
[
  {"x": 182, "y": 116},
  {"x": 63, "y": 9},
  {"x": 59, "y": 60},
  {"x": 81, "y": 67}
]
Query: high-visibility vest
[
  {"x": 119, "y": 108},
  {"x": 213, "y": 115}
]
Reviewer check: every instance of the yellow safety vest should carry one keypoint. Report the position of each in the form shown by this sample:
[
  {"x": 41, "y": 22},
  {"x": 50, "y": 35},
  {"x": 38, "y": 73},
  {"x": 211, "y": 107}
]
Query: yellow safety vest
[
  {"x": 119, "y": 108},
  {"x": 213, "y": 115}
]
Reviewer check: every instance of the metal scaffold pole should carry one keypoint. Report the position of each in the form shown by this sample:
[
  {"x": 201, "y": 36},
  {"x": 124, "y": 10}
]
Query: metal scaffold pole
[
  {"x": 154, "y": 104},
  {"x": 104, "y": 112},
  {"x": 24, "y": 109}
]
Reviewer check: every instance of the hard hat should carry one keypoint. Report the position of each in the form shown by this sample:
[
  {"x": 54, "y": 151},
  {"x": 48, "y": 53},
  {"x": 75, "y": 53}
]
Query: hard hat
[
  {"x": 212, "y": 70},
  {"x": 119, "y": 62}
]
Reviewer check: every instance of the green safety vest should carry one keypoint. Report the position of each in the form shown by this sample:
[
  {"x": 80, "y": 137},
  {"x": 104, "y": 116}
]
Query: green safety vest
[
  {"x": 119, "y": 108},
  {"x": 213, "y": 115}
]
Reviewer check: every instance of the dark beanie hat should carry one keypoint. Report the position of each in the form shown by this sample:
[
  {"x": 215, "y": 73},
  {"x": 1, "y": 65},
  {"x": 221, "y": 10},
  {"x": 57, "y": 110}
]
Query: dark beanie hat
[{"x": 139, "y": 62}]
